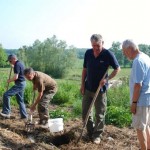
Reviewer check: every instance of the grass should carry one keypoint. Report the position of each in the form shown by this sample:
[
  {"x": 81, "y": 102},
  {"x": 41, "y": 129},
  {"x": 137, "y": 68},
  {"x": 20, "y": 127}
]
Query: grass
[
  {"x": 75, "y": 74},
  {"x": 68, "y": 96}
]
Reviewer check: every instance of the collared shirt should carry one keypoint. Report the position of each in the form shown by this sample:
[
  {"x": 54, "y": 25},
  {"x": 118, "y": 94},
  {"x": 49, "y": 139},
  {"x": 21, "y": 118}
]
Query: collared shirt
[
  {"x": 96, "y": 68},
  {"x": 43, "y": 82},
  {"x": 140, "y": 73}
]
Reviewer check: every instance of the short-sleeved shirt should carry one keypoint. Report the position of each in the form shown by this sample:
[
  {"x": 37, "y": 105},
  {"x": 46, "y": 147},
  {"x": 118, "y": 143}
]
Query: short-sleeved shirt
[
  {"x": 140, "y": 73},
  {"x": 44, "y": 82},
  {"x": 18, "y": 69},
  {"x": 96, "y": 68}
]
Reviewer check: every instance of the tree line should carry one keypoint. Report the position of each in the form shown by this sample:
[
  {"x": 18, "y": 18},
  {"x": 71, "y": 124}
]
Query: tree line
[
  {"x": 54, "y": 57},
  {"x": 117, "y": 50}
]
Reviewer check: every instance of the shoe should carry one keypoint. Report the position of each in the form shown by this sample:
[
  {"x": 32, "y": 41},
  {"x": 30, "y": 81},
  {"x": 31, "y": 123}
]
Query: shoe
[
  {"x": 97, "y": 140},
  {"x": 44, "y": 126},
  {"x": 5, "y": 115}
]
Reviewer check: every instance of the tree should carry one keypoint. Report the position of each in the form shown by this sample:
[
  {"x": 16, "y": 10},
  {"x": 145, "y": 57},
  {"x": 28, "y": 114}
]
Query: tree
[
  {"x": 50, "y": 56},
  {"x": 3, "y": 57},
  {"x": 145, "y": 48},
  {"x": 116, "y": 49}
]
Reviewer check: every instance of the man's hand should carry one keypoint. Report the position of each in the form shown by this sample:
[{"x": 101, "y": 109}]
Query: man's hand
[
  {"x": 82, "y": 89},
  {"x": 32, "y": 108},
  {"x": 102, "y": 83},
  {"x": 133, "y": 108},
  {"x": 8, "y": 81}
]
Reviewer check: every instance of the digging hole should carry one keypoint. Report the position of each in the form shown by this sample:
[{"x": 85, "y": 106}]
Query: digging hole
[{"x": 62, "y": 139}]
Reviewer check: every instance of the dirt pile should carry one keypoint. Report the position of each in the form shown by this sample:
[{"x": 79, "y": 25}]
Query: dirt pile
[{"x": 13, "y": 136}]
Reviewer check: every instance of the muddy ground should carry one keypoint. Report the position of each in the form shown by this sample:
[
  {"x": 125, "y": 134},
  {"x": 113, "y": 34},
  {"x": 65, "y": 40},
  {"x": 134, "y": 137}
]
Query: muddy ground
[{"x": 13, "y": 136}]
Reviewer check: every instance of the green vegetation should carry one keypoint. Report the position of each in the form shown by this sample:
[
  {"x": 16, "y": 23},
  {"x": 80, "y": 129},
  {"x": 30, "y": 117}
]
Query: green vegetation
[
  {"x": 3, "y": 57},
  {"x": 69, "y": 99},
  {"x": 51, "y": 56},
  {"x": 54, "y": 57},
  {"x": 118, "y": 106},
  {"x": 60, "y": 113}
]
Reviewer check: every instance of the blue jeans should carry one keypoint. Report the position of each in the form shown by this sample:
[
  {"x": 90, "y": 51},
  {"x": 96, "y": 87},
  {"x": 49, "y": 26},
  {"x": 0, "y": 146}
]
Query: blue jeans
[{"x": 18, "y": 91}]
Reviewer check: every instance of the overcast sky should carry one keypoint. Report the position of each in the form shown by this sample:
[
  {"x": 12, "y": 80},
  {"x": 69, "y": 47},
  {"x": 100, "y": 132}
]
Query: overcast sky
[{"x": 74, "y": 21}]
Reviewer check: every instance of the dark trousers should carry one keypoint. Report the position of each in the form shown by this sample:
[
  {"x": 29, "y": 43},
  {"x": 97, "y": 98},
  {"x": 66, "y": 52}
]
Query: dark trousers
[{"x": 94, "y": 128}]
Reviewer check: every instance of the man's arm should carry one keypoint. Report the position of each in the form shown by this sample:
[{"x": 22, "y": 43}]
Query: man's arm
[
  {"x": 82, "y": 89},
  {"x": 136, "y": 94},
  {"x": 15, "y": 77},
  {"x": 40, "y": 94},
  {"x": 114, "y": 73}
]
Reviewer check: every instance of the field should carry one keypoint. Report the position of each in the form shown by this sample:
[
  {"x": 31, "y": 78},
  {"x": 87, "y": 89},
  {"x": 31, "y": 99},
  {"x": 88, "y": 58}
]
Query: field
[{"x": 118, "y": 134}]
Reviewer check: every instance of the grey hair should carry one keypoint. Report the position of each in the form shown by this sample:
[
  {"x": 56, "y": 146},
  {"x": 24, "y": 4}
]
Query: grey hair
[
  {"x": 96, "y": 37},
  {"x": 129, "y": 43},
  {"x": 28, "y": 71}
]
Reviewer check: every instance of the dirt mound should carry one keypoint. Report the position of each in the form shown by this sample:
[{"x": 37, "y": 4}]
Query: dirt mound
[{"x": 13, "y": 136}]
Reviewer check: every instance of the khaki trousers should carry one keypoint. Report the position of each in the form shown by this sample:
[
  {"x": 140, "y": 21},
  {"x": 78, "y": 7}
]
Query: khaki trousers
[
  {"x": 94, "y": 126},
  {"x": 43, "y": 105}
]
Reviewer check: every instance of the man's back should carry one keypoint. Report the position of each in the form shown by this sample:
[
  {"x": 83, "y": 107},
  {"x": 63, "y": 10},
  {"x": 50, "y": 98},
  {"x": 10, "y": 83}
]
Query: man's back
[{"x": 43, "y": 81}]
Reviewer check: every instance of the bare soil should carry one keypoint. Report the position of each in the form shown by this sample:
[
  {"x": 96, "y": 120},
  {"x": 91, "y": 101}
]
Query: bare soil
[{"x": 13, "y": 136}]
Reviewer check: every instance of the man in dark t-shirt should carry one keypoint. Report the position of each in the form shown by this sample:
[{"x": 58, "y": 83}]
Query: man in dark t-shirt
[
  {"x": 96, "y": 63},
  {"x": 47, "y": 88},
  {"x": 17, "y": 89}
]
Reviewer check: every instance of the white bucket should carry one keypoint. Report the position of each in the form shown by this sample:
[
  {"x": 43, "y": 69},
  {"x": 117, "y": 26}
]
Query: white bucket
[{"x": 56, "y": 125}]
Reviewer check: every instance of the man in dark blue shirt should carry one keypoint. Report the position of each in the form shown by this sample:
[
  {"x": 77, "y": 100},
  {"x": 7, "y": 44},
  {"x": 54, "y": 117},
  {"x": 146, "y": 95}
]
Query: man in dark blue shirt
[
  {"x": 96, "y": 63},
  {"x": 17, "y": 89}
]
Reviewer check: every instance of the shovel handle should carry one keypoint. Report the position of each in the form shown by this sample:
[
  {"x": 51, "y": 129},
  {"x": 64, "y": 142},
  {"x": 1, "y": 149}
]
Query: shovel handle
[
  {"x": 31, "y": 118},
  {"x": 9, "y": 78}
]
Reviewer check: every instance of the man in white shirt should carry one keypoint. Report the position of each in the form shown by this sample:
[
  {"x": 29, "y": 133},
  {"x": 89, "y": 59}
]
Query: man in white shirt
[{"x": 139, "y": 91}]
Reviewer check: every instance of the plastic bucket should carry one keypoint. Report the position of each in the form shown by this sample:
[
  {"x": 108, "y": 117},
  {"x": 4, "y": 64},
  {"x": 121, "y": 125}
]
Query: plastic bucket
[{"x": 56, "y": 125}]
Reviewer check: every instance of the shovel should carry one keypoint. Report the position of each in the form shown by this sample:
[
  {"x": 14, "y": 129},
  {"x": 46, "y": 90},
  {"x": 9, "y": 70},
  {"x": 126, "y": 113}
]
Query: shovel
[
  {"x": 9, "y": 78},
  {"x": 29, "y": 126},
  {"x": 91, "y": 105}
]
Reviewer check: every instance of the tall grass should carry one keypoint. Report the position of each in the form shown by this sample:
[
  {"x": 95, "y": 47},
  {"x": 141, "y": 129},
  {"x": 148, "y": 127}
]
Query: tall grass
[
  {"x": 69, "y": 99},
  {"x": 118, "y": 112}
]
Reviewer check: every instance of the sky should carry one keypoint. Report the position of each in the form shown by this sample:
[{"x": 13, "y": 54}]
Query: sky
[{"x": 74, "y": 21}]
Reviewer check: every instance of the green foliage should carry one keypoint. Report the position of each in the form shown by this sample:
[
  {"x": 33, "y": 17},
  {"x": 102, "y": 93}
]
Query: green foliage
[
  {"x": 77, "y": 107},
  {"x": 118, "y": 112},
  {"x": 3, "y": 57},
  {"x": 50, "y": 56},
  {"x": 69, "y": 97},
  {"x": 118, "y": 116},
  {"x": 145, "y": 48},
  {"x": 28, "y": 94},
  {"x": 60, "y": 113},
  {"x": 68, "y": 92},
  {"x": 118, "y": 96},
  {"x": 116, "y": 49}
]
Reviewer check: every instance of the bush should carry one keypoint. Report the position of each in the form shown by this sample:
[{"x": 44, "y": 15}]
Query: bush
[
  {"x": 118, "y": 96},
  {"x": 118, "y": 112},
  {"x": 60, "y": 113},
  {"x": 68, "y": 93},
  {"x": 118, "y": 116},
  {"x": 77, "y": 107}
]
